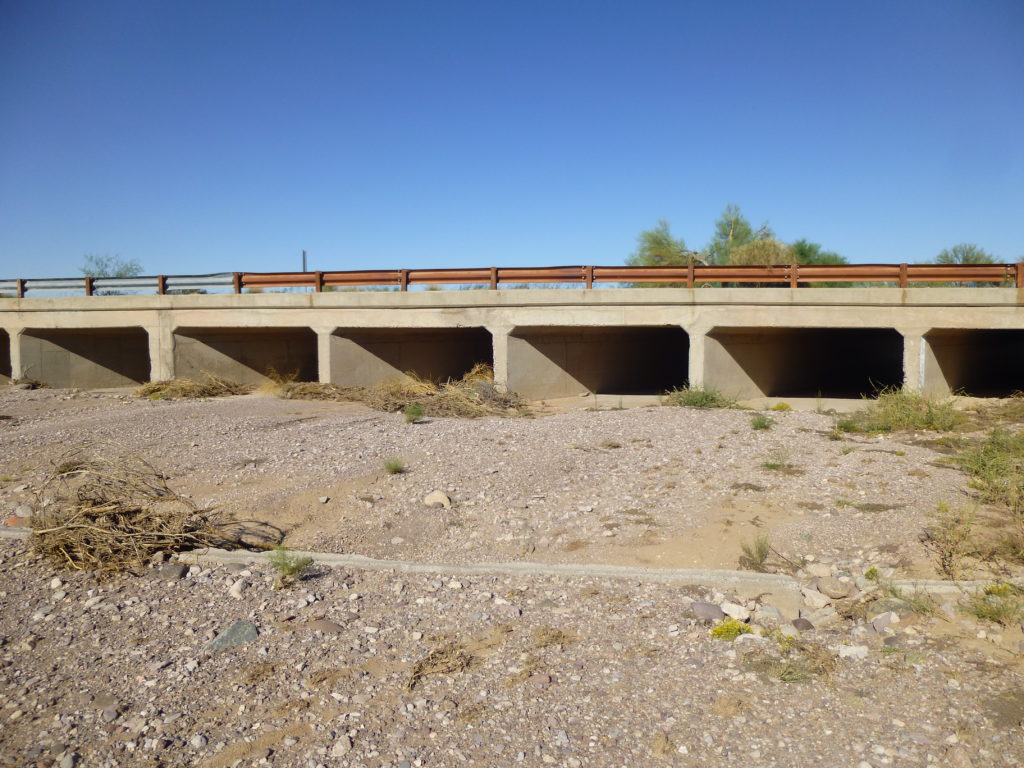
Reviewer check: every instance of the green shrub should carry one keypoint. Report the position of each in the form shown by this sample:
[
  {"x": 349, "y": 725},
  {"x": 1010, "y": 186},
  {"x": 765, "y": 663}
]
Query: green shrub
[
  {"x": 950, "y": 537},
  {"x": 413, "y": 413},
  {"x": 730, "y": 629},
  {"x": 699, "y": 397},
  {"x": 760, "y": 421},
  {"x": 288, "y": 565},
  {"x": 394, "y": 465},
  {"x": 904, "y": 409},
  {"x": 782, "y": 407},
  {"x": 756, "y": 554},
  {"x": 999, "y": 603}
]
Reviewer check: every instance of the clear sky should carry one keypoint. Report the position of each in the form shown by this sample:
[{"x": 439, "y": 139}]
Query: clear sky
[{"x": 207, "y": 136}]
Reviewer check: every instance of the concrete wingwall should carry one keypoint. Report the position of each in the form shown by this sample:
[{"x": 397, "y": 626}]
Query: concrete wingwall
[{"x": 748, "y": 342}]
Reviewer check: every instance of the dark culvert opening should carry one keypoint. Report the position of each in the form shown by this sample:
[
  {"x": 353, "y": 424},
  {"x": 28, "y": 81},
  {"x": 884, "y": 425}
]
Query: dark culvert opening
[
  {"x": 86, "y": 357},
  {"x": 605, "y": 360},
  {"x": 5, "y": 356},
  {"x": 975, "y": 362},
  {"x": 246, "y": 355},
  {"x": 804, "y": 362},
  {"x": 362, "y": 357}
]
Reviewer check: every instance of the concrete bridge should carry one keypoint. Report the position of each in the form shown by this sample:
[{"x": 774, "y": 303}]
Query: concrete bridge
[{"x": 748, "y": 342}]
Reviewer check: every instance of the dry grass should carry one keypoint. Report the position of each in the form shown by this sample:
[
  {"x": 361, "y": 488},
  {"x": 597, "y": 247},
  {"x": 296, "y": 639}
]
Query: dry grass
[
  {"x": 210, "y": 386},
  {"x": 107, "y": 510},
  {"x": 445, "y": 660}
]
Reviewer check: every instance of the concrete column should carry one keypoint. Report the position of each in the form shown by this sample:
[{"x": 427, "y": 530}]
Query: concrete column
[
  {"x": 161, "y": 352},
  {"x": 698, "y": 344},
  {"x": 499, "y": 342},
  {"x": 914, "y": 348},
  {"x": 17, "y": 367},
  {"x": 324, "y": 336}
]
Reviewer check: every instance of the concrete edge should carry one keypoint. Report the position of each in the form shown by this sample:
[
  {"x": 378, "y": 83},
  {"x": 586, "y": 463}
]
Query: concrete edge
[{"x": 779, "y": 587}]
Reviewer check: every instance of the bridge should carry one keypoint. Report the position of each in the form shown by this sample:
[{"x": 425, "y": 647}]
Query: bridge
[{"x": 781, "y": 338}]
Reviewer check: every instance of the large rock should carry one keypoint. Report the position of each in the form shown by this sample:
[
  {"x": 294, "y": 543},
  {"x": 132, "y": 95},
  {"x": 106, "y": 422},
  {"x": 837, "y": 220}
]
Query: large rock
[
  {"x": 707, "y": 611},
  {"x": 814, "y": 598},
  {"x": 239, "y": 633},
  {"x": 735, "y": 611},
  {"x": 832, "y": 587}
]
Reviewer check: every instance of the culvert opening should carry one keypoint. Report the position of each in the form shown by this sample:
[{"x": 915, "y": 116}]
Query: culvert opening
[
  {"x": 803, "y": 362},
  {"x": 86, "y": 357},
  {"x": 974, "y": 362},
  {"x": 362, "y": 357},
  {"x": 5, "y": 356},
  {"x": 605, "y": 360},
  {"x": 246, "y": 355}
]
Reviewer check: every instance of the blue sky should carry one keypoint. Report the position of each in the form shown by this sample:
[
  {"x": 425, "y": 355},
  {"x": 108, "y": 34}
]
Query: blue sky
[{"x": 227, "y": 136}]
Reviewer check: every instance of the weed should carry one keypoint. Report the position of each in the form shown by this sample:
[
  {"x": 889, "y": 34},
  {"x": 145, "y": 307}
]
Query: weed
[
  {"x": 950, "y": 538},
  {"x": 996, "y": 466},
  {"x": 288, "y": 565},
  {"x": 782, "y": 407},
  {"x": 798, "y": 663},
  {"x": 699, "y": 397},
  {"x": 872, "y": 574},
  {"x": 210, "y": 386},
  {"x": 394, "y": 465},
  {"x": 919, "y": 601},
  {"x": 999, "y": 603},
  {"x": 544, "y": 637},
  {"x": 835, "y": 434},
  {"x": 611, "y": 444},
  {"x": 778, "y": 461},
  {"x": 904, "y": 409},
  {"x": 413, "y": 412},
  {"x": 848, "y": 449},
  {"x": 444, "y": 660},
  {"x": 759, "y": 421},
  {"x": 756, "y": 554},
  {"x": 730, "y": 629}
]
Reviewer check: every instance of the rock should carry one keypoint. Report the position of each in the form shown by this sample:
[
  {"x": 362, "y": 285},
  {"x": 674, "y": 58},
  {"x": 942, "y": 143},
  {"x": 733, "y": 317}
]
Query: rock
[
  {"x": 109, "y": 714},
  {"x": 236, "y": 589},
  {"x": 853, "y": 651},
  {"x": 171, "y": 571},
  {"x": 735, "y": 610},
  {"x": 56, "y": 583},
  {"x": 198, "y": 741},
  {"x": 438, "y": 499},
  {"x": 818, "y": 570},
  {"x": 894, "y": 604},
  {"x": 958, "y": 757},
  {"x": 823, "y": 617},
  {"x": 326, "y": 626},
  {"x": 707, "y": 611},
  {"x": 69, "y": 760},
  {"x": 814, "y": 598},
  {"x": 324, "y": 499},
  {"x": 341, "y": 747},
  {"x": 767, "y": 613},
  {"x": 23, "y": 510},
  {"x": 239, "y": 633},
  {"x": 832, "y": 587},
  {"x": 235, "y": 567},
  {"x": 802, "y": 624},
  {"x": 788, "y": 630},
  {"x": 883, "y": 621}
]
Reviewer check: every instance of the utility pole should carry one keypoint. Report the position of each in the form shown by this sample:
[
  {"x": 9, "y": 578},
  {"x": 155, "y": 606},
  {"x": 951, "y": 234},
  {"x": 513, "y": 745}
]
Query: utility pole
[{"x": 304, "y": 260}]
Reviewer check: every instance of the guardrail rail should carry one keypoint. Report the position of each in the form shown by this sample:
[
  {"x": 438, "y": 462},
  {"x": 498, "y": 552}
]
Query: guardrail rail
[{"x": 690, "y": 276}]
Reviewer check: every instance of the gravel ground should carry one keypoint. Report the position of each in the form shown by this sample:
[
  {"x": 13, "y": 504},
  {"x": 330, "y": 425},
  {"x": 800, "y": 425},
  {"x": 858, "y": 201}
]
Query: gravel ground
[{"x": 388, "y": 670}]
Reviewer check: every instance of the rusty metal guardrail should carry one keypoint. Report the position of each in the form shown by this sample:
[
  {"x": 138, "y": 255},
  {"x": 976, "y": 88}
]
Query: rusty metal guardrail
[{"x": 793, "y": 275}]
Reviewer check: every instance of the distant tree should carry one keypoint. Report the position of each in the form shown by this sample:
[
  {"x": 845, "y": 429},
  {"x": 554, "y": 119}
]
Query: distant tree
[
  {"x": 731, "y": 231},
  {"x": 965, "y": 253},
  {"x": 659, "y": 248},
  {"x": 763, "y": 252},
  {"x": 806, "y": 252},
  {"x": 110, "y": 266}
]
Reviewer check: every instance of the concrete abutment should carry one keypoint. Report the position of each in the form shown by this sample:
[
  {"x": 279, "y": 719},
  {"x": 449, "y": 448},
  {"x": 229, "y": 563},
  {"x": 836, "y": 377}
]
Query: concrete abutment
[{"x": 246, "y": 355}]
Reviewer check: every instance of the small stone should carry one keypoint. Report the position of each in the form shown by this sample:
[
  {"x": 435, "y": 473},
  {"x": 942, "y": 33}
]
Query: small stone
[
  {"x": 236, "y": 589},
  {"x": 341, "y": 747},
  {"x": 802, "y": 625},
  {"x": 814, "y": 598},
  {"x": 326, "y": 626},
  {"x": 788, "y": 630},
  {"x": 438, "y": 499},
  {"x": 69, "y": 760},
  {"x": 735, "y": 611},
  {"x": 198, "y": 741},
  {"x": 324, "y": 499},
  {"x": 832, "y": 587},
  {"x": 23, "y": 510},
  {"x": 56, "y": 583},
  {"x": 853, "y": 651},
  {"x": 239, "y": 633},
  {"x": 883, "y": 621},
  {"x": 818, "y": 570},
  {"x": 958, "y": 757},
  {"x": 109, "y": 714},
  {"x": 707, "y": 611},
  {"x": 171, "y": 571}
]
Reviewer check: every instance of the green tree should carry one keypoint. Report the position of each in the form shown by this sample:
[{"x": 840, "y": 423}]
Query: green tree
[
  {"x": 731, "y": 231},
  {"x": 657, "y": 248},
  {"x": 110, "y": 266},
  {"x": 965, "y": 253},
  {"x": 806, "y": 252},
  {"x": 763, "y": 252}
]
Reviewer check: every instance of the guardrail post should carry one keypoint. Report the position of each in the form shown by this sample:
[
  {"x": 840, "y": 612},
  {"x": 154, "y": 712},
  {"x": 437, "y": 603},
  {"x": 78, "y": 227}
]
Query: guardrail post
[
  {"x": 403, "y": 279},
  {"x": 161, "y": 284},
  {"x": 20, "y": 285},
  {"x": 236, "y": 281},
  {"x": 794, "y": 275},
  {"x": 588, "y": 276},
  {"x": 88, "y": 286},
  {"x": 1020, "y": 274},
  {"x": 690, "y": 274},
  {"x": 319, "y": 281},
  {"x": 903, "y": 275},
  {"x": 494, "y": 278}
]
